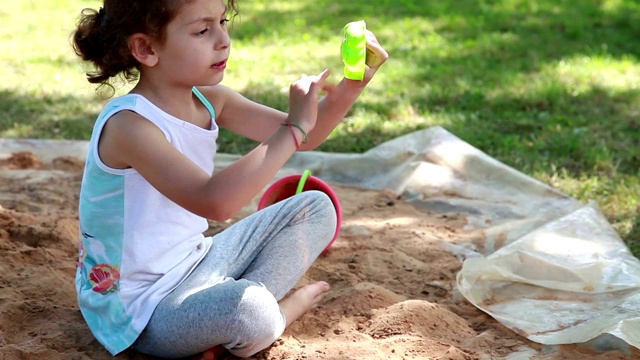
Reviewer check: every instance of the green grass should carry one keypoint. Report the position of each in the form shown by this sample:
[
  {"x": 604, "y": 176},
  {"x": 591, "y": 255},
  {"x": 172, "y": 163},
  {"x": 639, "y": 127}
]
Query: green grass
[{"x": 550, "y": 87}]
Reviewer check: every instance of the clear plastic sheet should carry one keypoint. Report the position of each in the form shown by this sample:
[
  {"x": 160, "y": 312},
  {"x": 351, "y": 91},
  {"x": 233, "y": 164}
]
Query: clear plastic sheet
[{"x": 548, "y": 266}]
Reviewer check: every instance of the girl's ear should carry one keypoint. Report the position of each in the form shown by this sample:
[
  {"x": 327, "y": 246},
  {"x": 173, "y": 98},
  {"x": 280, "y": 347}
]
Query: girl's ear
[{"x": 142, "y": 49}]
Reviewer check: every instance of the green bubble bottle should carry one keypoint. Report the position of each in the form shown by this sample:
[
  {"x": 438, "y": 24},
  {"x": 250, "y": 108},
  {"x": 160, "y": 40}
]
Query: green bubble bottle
[{"x": 354, "y": 50}]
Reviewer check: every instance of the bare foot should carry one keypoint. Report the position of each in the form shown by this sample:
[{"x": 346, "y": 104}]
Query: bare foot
[
  {"x": 211, "y": 354},
  {"x": 303, "y": 300}
]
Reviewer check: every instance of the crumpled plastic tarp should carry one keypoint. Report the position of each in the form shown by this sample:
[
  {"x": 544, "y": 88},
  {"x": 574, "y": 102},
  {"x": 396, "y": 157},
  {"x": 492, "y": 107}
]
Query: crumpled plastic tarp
[{"x": 550, "y": 267}]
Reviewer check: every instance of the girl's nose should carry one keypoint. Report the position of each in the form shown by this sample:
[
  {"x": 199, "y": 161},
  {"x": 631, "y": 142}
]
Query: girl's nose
[{"x": 223, "y": 41}]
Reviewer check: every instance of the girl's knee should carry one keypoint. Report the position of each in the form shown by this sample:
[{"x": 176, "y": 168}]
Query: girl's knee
[
  {"x": 322, "y": 204},
  {"x": 319, "y": 196},
  {"x": 259, "y": 322}
]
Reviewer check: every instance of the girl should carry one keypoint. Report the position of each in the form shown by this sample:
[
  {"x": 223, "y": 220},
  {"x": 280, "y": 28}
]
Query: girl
[{"x": 147, "y": 277}]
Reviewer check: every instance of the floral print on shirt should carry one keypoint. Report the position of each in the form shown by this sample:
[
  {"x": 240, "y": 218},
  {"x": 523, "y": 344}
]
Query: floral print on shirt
[{"x": 104, "y": 278}]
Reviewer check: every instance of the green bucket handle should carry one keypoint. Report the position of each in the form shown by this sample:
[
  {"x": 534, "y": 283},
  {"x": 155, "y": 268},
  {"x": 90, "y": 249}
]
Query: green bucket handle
[{"x": 303, "y": 180}]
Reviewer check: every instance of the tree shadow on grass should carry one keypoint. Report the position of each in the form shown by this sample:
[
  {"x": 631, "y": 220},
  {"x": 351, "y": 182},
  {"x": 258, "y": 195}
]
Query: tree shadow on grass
[
  {"x": 596, "y": 129},
  {"x": 632, "y": 238},
  {"x": 509, "y": 128},
  {"x": 46, "y": 116},
  {"x": 539, "y": 27},
  {"x": 487, "y": 47}
]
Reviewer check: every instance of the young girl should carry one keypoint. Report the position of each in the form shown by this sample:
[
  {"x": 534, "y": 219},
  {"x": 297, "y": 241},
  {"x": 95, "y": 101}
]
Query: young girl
[{"x": 147, "y": 276}]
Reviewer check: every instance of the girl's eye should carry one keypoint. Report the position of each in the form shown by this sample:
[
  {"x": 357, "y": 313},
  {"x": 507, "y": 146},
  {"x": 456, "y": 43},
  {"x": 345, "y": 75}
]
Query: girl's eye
[
  {"x": 224, "y": 21},
  {"x": 203, "y": 31}
]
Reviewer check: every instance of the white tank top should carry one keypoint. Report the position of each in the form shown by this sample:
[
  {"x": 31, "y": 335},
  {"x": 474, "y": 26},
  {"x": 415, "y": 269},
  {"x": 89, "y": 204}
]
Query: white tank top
[{"x": 136, "y": 244}]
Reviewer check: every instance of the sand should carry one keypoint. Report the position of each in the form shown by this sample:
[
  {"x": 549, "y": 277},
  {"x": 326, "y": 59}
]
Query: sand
[{"x": 393, "y": 292}]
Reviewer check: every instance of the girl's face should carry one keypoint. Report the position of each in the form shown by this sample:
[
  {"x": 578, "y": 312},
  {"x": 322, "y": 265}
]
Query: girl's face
[{"x": 197, "y": 44}]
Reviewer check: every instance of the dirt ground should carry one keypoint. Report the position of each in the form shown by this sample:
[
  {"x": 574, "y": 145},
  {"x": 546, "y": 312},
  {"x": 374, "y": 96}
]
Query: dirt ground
[{"x": 393, "y": 290}]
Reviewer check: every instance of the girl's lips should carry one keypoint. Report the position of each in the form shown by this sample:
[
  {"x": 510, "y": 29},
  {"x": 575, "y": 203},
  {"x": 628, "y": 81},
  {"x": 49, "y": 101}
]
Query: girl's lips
[{"x": 220, "y": 65}]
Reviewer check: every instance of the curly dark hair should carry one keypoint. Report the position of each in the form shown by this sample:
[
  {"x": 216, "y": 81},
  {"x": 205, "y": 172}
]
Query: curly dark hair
[{"x": 101, "y": 37}]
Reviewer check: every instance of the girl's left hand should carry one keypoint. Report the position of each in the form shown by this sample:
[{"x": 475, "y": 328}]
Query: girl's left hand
[{"x": 376, "y": 56}]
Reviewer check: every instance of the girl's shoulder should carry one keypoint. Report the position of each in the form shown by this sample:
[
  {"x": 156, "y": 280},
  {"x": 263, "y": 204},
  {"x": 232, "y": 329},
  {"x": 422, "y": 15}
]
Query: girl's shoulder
[{"x": 218, "y": 95}]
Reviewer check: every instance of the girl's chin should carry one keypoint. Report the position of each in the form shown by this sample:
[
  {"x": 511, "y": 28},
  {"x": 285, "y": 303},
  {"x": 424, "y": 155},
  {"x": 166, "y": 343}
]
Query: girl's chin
[{"x": 212, "y": 80}]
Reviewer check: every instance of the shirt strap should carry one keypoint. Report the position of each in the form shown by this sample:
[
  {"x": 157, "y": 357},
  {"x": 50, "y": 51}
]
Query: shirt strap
[{"x": 205, "y": 102}]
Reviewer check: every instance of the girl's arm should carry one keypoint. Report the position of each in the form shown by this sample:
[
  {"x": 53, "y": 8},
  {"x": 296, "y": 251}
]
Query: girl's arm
[
  {"x": 130, "y": 140},
  {"x": 256, "y": 121}
]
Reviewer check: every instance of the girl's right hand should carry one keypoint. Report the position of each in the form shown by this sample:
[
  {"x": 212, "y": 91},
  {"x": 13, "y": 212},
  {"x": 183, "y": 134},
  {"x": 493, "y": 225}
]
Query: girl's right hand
[{"x": 303, "y": 100}]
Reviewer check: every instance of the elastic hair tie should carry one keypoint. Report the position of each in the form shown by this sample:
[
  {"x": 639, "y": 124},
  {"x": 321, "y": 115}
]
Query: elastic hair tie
[
  {"x": 102, "y": 16},
  {"x": 295, "y": 139}
]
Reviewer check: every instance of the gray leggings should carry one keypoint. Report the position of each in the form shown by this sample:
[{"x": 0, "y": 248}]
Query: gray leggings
[{"x": 231, "y": 297}]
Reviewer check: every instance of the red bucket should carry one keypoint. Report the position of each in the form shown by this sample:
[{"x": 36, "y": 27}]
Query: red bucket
[{"x": 293, "y": 184}]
